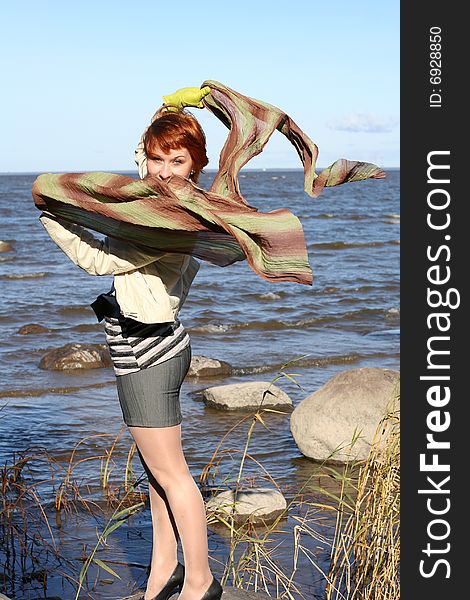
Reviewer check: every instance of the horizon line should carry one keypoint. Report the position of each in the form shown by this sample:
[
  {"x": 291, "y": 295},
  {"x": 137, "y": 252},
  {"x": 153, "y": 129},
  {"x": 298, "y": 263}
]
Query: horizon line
[{"x": 262, "y": 169}]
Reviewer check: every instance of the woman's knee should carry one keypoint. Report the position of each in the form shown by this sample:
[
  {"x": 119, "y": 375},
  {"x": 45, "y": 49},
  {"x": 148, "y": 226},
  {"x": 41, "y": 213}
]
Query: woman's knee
[
  {"x": 167, "y": 476},
  {"x": 161, "y": 453}
]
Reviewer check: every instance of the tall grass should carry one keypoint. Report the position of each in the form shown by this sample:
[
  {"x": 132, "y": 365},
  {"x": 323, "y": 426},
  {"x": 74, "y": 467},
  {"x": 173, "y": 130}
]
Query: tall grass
[{"x": 365, "y": 556}]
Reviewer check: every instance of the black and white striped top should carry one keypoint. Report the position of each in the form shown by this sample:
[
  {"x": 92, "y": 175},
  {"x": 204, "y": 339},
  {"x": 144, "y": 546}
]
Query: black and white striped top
[{"x": 134, "y": 346}]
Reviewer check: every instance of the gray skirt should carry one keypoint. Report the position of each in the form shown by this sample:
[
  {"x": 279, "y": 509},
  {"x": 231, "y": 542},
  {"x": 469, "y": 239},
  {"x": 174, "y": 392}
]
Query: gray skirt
[{"x": 151, "y": 397}]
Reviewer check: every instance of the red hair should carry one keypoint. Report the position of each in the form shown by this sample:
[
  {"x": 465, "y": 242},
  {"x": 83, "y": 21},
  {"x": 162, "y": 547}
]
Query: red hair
[{"x": 174, "y": 130}]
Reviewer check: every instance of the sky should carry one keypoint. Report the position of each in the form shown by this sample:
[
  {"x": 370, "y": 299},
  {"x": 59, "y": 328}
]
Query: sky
[{"x": 81, "y": 80}]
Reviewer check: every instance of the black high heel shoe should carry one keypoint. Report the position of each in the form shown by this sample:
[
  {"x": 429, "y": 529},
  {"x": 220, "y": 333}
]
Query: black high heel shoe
[
  {"x": 173, "y": 585},
  {"x": 214, "y": 591}
]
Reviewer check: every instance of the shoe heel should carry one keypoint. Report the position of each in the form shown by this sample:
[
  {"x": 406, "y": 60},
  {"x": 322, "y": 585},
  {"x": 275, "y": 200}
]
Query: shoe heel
[
  {"x": 173, "y": 586},
  {"x": 214, "y": 592}
]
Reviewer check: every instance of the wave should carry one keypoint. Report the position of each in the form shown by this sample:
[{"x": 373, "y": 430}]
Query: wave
[
  {"x": 394, "y": 217},
  {"x": 267, "y": 296},
  {"x": 345, "y": 245},
  {"x": 67, "y": 310},
  {"x": 375, "y": 288},
  {"x": 331, "y": 289},
  {"x": 211, "y": 328},
  {"x": 342, "y": 216},
  {"x": 305, "y": 362},
  {"x": 88, "y": 327},
  {"x": 34, "y": 392},
  {"x": 270, "y": 296},
  {"x": 363, "y": 289},
  {"x": 276, "y": 325},
  {"x": 25, "y": 275},
  {"x": 384, "y": 332}
]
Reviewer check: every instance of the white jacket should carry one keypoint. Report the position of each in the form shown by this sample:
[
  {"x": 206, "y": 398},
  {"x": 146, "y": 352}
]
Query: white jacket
[{"x": 151, "y": 286}]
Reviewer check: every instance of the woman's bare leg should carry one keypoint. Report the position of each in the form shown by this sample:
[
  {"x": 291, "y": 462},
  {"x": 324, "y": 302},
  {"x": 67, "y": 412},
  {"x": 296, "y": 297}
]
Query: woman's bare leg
[
  {"x": 164, "y": 534},
  {"x": 162, "y": 452}
]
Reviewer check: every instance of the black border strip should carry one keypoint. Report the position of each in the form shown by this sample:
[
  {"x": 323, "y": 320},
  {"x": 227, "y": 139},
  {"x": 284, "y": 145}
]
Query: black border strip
[{"x": 434, "y": 256}]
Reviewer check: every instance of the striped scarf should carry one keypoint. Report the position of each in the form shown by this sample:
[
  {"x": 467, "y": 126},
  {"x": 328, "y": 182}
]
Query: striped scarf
[{"x": 218, "y": 225}]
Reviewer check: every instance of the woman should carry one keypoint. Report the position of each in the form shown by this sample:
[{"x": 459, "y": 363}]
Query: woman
[
  {"x": 148, "y": 345},
  {"x": 151, "y": 355}
]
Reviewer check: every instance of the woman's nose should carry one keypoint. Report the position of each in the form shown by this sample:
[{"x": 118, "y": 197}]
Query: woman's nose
[{"x": 165, "y": 172}]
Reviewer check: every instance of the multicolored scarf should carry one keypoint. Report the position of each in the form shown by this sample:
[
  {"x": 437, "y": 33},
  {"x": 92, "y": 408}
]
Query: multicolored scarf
[{"x": 218, "y": 225}]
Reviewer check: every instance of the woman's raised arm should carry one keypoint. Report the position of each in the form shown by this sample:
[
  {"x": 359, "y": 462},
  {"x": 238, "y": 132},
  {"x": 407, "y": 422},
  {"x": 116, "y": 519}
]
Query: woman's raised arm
[{"x": 97, "y": 257}]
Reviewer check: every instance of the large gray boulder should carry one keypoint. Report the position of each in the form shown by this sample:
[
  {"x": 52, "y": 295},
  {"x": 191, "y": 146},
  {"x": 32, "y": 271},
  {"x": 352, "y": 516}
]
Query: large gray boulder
[
  {"x": 76, "y": 356},
  {"x": 203, "y": 366},
  {"x": 350, "y": 403},
  {"x": 245, "y": 395},
  {"x": 258, "y": 505}
]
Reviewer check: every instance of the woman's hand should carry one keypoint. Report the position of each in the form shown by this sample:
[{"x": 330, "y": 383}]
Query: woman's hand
[{"x": 190, "y": 96}]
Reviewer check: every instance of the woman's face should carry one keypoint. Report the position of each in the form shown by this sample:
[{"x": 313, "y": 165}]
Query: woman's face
[{"x": 163, "y": 165}]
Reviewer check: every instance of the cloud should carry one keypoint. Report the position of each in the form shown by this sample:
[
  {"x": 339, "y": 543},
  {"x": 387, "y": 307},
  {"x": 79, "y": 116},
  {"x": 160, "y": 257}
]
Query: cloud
[{"x": 366, "y": 122}]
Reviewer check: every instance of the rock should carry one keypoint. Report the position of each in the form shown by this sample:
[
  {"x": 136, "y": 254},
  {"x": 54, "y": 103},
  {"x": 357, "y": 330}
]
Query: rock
[
  {"x": 5, "y": 246},
  {"x": 32, "y": 328},
  {"x": 258, "y": 505},
  {"x": 231, "y": 593},
  {"x": 324, "y": 424},
  {"x": 245, "y": 395},
  {"x": 2, "y": 597},
  {"x": 202, "y": 366},
  {"x": 76, "y": 356}
]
